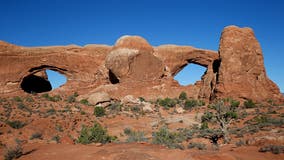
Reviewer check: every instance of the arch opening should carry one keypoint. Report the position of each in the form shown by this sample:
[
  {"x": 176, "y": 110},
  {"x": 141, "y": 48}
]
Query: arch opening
[
  {"x": 190, "y": 74},
  {"x": 43, "y": 80},
  {"x": 55, "y": 78}
]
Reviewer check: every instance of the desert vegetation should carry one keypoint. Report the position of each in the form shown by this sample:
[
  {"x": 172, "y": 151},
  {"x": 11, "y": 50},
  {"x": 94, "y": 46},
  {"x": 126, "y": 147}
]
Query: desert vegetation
[{"x": 199, "y": 126}]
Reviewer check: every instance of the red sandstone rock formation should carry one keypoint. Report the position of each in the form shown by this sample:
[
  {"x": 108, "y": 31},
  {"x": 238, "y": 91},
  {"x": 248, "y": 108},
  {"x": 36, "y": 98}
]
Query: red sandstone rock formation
[
  {"x": 242, "y": 73},
  {"x": 133, "y": 67},
  {"x": 132, "y": 59}
]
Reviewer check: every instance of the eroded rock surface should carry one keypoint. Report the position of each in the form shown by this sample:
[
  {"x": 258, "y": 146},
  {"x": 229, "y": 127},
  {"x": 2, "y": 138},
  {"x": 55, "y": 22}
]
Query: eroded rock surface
[
  {"x": 133, "y": 67},
  {"x": 242, "y": 73}
]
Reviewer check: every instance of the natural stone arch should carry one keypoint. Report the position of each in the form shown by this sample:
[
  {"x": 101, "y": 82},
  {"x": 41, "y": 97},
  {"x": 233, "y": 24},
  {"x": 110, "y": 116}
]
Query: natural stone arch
[{"x": 36, "y": 81}]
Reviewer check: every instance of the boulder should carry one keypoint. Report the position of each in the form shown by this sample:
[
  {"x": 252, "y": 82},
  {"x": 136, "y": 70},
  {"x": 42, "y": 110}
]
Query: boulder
[
  {"x": 132, "y": 59},
  {"x": 129, "y": 99},
  {"x": 99, "y": 97},
  {"x": 147, "y": 107}
]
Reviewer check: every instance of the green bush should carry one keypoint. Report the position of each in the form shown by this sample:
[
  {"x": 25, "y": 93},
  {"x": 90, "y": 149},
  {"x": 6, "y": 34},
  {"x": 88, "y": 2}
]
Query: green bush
[
  {"x": 200, "y": 146},
  {"x": 95, "y": 134},
  {"x": 84, "y": 101},
  {"x": 182, "y": 96},
  {"x": 36, "y": 135},
  {"x": 136, "y": 109},
  {"x": 99, "y": 111},
  {"x": 127, "y": 131},
  {"x": 18, "y": 99},
  {"x": 272, "y": 148},
  {"x": 235, "y": 103},
  {"x": 204, "y": 125},
  {"x": 13, "y": 152},
  {"x": 55, "y": 98},
  {"x": 167, "y": 138},
  {"x": 189, "y": 104},
  {"x": 167, "y": 103},
  {"x": 134, "y": 136},
  {"x": 207, "y": 116},
  {"x": 249, "y": 104},
  {"x": 23, "y": 107},
  {"x": 16, "y": 124}
]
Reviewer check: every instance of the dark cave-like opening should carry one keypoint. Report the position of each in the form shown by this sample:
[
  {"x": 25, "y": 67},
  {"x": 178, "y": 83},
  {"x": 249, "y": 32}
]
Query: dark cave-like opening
[
  {"x": 35, "y": 84},
  {"x": 112, "y": 78},
  {"x": 216, "y": 65}
]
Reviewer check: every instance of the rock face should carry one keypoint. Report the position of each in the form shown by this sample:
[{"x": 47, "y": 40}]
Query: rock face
[
  {"x": 133, "y": 67},
  {"x": 242, "y": 73}
]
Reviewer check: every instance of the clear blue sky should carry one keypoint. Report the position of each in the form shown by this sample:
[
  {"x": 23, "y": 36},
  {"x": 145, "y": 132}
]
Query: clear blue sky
[{"x": 184, "y": 22}]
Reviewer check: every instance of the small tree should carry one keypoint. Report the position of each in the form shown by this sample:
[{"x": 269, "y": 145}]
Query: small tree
[{"x": 225, "y": 113}]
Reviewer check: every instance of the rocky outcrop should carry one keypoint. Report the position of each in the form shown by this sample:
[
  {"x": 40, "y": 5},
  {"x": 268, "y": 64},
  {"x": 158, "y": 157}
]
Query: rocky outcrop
[
  {"x": 242, "y": 73},
  {"x": 132, "y": 59},
  {"x": 133, "y": 67}
]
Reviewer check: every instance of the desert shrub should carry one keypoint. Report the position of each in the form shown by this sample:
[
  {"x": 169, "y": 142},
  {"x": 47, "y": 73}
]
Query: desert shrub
[
  {"x": 29, "y": 99},
  {"x": 141, "y": 99},
  {"x": 2, "y": 100},
  {"x": 200, "y": 146},
  {"x": 13, "y": 152},
  {"x": 58, "y": 128},
  {"x": 115, "y": 107},
  {"x": 134, "y": 136},
  {"x": 99, "y": 111},
  {"x": 186, "y": 133},
  {"x": 55, "y": 98},
  {"x": 127, "y": 131},
  {"x": 265, "y": 120},
  {"x": 189, "y": 104},
  {"x": 207, "y": 116},
  {"x": 204, "y": 125},
  {"x": 167, "y": 138},
  {"x": 136, "y": 109},
  {"x": 182, "y": 96},
  {"x": 18, "y": 99},
  {"x": 56, "y": 138},
  {"x": 249, "y": 104},
  {"x": 84, "y": 101},
  {"x": 240, "y": 143},
  {"x": 72, "y": 98},
  {"x": 272, "y": 148},
  {"x": 167, "y": 103},
  {"x": 95, "y": 134},
  {"x": 234, "y": 103},
  {"x": 51, "y": 111},
  {"x": 16, "y": 124},
  {"x": 212, "y": 134},
  {"x": 23, "y": 107},
  {"x": 36, "y": 135}
]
